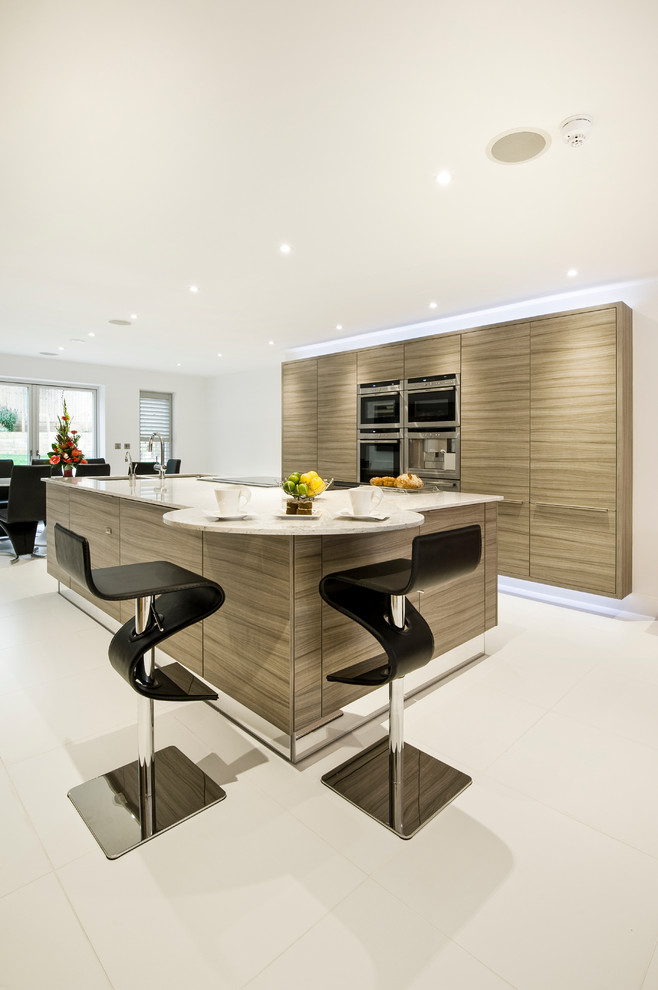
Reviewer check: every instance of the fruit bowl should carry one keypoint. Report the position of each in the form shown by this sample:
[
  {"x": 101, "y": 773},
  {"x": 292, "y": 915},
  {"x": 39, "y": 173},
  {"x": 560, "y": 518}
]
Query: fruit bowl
[{"x": 305, "y": 486}]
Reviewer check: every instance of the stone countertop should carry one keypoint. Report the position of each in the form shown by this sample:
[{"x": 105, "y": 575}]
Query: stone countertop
[{"x": 193, "y": 506}]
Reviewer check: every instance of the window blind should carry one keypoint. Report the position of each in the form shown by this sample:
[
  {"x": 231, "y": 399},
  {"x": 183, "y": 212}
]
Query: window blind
[{"x": 154, "y": 417}]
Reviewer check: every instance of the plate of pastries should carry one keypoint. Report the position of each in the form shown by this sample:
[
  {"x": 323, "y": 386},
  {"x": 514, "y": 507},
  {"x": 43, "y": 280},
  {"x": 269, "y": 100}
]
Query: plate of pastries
[{"x": 406, "y": 481}]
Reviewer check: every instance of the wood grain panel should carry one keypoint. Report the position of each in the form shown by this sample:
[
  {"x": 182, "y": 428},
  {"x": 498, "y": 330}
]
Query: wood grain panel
[
  {"x": 574, "y": 473},
  {"x": 574, "y": 371},
  {"x": 440, "y": 355},
  {"x": 495, "y": 392},
  {"x": 514, "y": 538},
  {"x": 299, "y": 415},
  {"x": 380, "y": 364},
  {"x": 96, "y": 517},
  {"x": 491, "y": 564},
  {"x": 573, "y": 548},
  {"x": 344, "y": 642},
  {"x": 144, "y": 537},
  {"x": 456, "y": 611},
  {"x": 337, "y": 416},
  {"x": 624, "y": 450},
  {"x": 248, "y": 643},
  {"x": 57, "y": 511},
  {"x": 307, "y": 646},
  {"x": 496, "y": 468}
]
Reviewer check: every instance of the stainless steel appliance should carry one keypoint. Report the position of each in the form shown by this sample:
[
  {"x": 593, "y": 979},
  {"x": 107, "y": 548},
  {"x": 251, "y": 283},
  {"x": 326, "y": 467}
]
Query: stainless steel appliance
[
  {"x": 380, "y": 405},
  {"x": 434, "y": 455},
  {"x": 432, "y": 402},
  {"x": 380, "y": 454}
]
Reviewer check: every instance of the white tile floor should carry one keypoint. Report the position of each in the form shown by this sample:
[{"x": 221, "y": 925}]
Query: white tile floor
[{"x": 543, "y": 875}]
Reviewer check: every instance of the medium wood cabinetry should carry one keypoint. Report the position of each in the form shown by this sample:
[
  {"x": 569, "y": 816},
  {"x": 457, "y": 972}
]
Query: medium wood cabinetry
[
  {"x": 98, "y": 520},
  {"x": 380, "y": 364},
  {"x": 337, "y": 416},
  {"x": 299, "y": 408},
  {"x": 495, "y": 433},
  {"x": 440, "y": 355}
]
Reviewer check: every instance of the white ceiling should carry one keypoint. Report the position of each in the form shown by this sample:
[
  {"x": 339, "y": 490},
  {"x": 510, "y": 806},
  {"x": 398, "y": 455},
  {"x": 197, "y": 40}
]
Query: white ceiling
[{"x": 149, "y": 145}]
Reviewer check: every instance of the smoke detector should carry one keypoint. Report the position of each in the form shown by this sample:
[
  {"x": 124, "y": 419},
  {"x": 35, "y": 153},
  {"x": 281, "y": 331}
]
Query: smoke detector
[{"x": 576, "y": 129}]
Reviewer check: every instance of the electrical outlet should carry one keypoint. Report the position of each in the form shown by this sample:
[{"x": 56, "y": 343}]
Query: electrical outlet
[
  {"x": 117, "y": 446},
  {"x": 126, "y": 446}
]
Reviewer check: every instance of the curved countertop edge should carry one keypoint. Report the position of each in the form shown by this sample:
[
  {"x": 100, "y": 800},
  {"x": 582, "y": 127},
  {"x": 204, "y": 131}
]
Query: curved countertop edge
[{"x": 322, "y": 524}]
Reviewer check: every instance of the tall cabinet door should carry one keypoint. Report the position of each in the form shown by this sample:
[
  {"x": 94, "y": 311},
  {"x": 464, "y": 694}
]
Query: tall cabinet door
[
  {"x": 337, "y": 417},
  {"x": 299, "y": 416},
  {"x": 573, "y": 455},
  {"x": 380, "y": 364},
  {"x": 440, "y": 355},
  {"x": 495, "y": 433}
]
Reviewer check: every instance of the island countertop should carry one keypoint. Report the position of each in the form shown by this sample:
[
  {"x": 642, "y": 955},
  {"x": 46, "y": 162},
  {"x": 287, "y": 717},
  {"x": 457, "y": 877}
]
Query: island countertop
[{"x": 193, "y": 505}]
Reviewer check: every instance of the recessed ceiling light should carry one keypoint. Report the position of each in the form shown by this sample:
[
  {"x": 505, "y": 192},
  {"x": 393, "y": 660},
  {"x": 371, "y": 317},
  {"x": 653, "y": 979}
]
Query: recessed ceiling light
[
  {"x": 572, "y": 272},
  {"x": 60, "y": 348},
  {"x": 285, "y": 249},
  {"x": 444, "y": 178},
  {"x": 218, "y": 354},
  {"x": 521, "y": 144},
  {"x": 194, "y": 288},
  {"x": 271, "y": 343},
  {"x": 91, "y": 334},
  {"x": 339, "y": 326},
  {"x": 133, "y": 316},
  {"x": 120, "y": 323},
  {"x": 432, "y": 305},
  {"x": 178, "y": 365}
]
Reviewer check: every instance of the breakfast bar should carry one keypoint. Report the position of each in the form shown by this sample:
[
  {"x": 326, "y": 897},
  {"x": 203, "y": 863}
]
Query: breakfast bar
[{"x": 269, "y": 649}]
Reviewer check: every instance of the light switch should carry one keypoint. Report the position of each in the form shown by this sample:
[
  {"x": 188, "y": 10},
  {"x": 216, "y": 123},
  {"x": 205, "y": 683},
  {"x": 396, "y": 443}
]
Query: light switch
[{"x": 117, "y": 446}]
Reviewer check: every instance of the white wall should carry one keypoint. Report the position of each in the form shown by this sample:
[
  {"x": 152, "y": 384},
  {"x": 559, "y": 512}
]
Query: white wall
[
  {"x": 245, "y": 411},
  {"x": 119, "y": 422}
]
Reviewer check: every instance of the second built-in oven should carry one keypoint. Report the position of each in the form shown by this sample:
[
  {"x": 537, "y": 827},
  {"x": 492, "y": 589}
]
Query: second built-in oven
[
  {"x": 432, "y": 402},
  {"x": 380, "y": 454}
]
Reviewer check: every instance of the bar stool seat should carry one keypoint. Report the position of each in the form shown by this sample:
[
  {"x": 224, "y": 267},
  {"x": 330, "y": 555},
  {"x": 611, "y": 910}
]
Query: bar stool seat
[
  {"x": 123, "y": 807},
  {"x": 391, "y": 781}
]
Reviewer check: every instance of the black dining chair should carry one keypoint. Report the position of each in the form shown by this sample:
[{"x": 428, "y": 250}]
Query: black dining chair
[
  {"x": 92, "y": 470},
  {"x": 95, "y": 460},
  {"x": 26, "y": 507},
  {"x": 55, "y": 469},
  {"x": 173, "y": 466},
  {"x": 6, "y": 464},
  {"x": 144, "y": 467}
]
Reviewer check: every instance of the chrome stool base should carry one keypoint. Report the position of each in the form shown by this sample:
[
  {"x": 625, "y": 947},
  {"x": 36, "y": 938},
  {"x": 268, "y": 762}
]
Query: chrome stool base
[
  {"x": 110, "y": 804},
  {"x": 426, "y": 786}
]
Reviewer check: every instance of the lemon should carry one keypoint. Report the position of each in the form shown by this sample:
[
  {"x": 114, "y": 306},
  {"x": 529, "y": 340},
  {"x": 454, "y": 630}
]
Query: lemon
[
  {"x": 305, "y": 478},
  {"x": 316, "y": 485}
]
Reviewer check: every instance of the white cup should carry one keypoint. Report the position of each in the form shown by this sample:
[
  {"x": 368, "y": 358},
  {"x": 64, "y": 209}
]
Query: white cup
[
  {"x": 231, "y": 499},
  {"x": 364, "y": 500}
]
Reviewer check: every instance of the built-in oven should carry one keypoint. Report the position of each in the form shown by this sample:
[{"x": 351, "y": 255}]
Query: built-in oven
[
  {"x": 380, "y": 405},
  {"x": 380, "y": 454},
  {"x": 434, "y": 455},
  {"x": 432, "y": 402}
]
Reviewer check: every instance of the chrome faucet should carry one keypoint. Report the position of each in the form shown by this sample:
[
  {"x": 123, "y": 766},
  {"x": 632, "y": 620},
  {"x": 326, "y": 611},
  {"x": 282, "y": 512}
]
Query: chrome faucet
[
  {"x": 161, "y": 465},
  {"x": 131, "y": 466}
]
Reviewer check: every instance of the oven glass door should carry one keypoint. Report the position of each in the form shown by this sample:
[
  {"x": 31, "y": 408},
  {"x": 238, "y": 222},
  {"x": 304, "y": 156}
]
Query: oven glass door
[
  {"x": 380, "y": 409},
  {"x": 379, "y": 458},
  {"x": 433, "y": 407}
]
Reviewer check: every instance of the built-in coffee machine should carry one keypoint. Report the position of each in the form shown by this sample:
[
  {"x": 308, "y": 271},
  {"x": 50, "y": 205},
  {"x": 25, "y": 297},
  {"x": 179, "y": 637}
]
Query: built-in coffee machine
[{"x": 434, "y": 455}]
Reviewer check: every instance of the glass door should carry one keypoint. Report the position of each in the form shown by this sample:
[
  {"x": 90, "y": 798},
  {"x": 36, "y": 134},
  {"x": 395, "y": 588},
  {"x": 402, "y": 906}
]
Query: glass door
[{"x": 15, "y": 422}]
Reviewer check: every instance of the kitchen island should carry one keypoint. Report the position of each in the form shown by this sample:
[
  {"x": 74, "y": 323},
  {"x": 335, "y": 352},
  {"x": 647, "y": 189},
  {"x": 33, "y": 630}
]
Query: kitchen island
[{"x": 269, "y": 649}]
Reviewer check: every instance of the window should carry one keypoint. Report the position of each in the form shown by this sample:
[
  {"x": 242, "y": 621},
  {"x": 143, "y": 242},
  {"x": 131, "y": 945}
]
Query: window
[
  {"x": 154, "y": 417},
  {"x": 28, "y": 418}
]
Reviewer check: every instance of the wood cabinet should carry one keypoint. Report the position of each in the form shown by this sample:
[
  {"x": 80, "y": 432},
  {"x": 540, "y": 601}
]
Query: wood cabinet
[
  {"x": 580, "y": 451},
  {"x": 99, "y": 520},
  {"x": 337, "y": 416},
  {"x": 439, "y": 355},
  {"x": 299, "y": 400},
  {"x": 380, "y": 364}
]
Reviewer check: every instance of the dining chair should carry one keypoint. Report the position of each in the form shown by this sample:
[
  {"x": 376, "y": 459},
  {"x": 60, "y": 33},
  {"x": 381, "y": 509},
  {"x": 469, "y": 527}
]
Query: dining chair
[
  {"x": 173, "y": 466},
  {"x": 6, "y": 464},
  {"x": 92, "y": 470},
  {"x": 26, "y": 507}
]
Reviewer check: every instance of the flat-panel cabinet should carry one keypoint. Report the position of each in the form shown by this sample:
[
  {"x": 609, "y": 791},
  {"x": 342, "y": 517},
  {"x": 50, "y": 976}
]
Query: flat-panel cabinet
[
  {"x": 440, "y": 355},
  {"x": 97, "y": 519},
  {"x": 299, "y": 404},
  {"x": 380, "y": 364},
  {"x": 495, "y": 385},
  {"x": 337, "y": 416}
]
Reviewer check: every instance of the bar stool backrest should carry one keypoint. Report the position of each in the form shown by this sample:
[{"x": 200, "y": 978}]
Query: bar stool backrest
[
  {"x": 72, "y": 552},
  {"x": 440, "y": 557}
]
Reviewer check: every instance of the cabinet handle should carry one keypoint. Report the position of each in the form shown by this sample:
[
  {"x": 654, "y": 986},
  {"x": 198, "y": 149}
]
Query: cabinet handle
[
  {"x": 513, "y": 501},
  {"x": 559, "y": 505}
]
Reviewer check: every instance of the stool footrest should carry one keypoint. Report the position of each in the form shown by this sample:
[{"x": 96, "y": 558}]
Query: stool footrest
[
  {"x": 109, "y": 804},
  {"x": 427, "y": 786}
]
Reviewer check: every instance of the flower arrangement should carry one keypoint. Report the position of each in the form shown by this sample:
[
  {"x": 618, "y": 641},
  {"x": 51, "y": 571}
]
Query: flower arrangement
[{"x": 65, "y": 448}]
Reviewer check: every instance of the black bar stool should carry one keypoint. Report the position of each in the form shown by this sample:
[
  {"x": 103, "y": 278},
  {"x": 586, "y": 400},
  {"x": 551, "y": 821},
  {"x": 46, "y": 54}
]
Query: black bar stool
[
  {"x": 123, "y": 808},
  {"x": 398, "y": 785}
]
